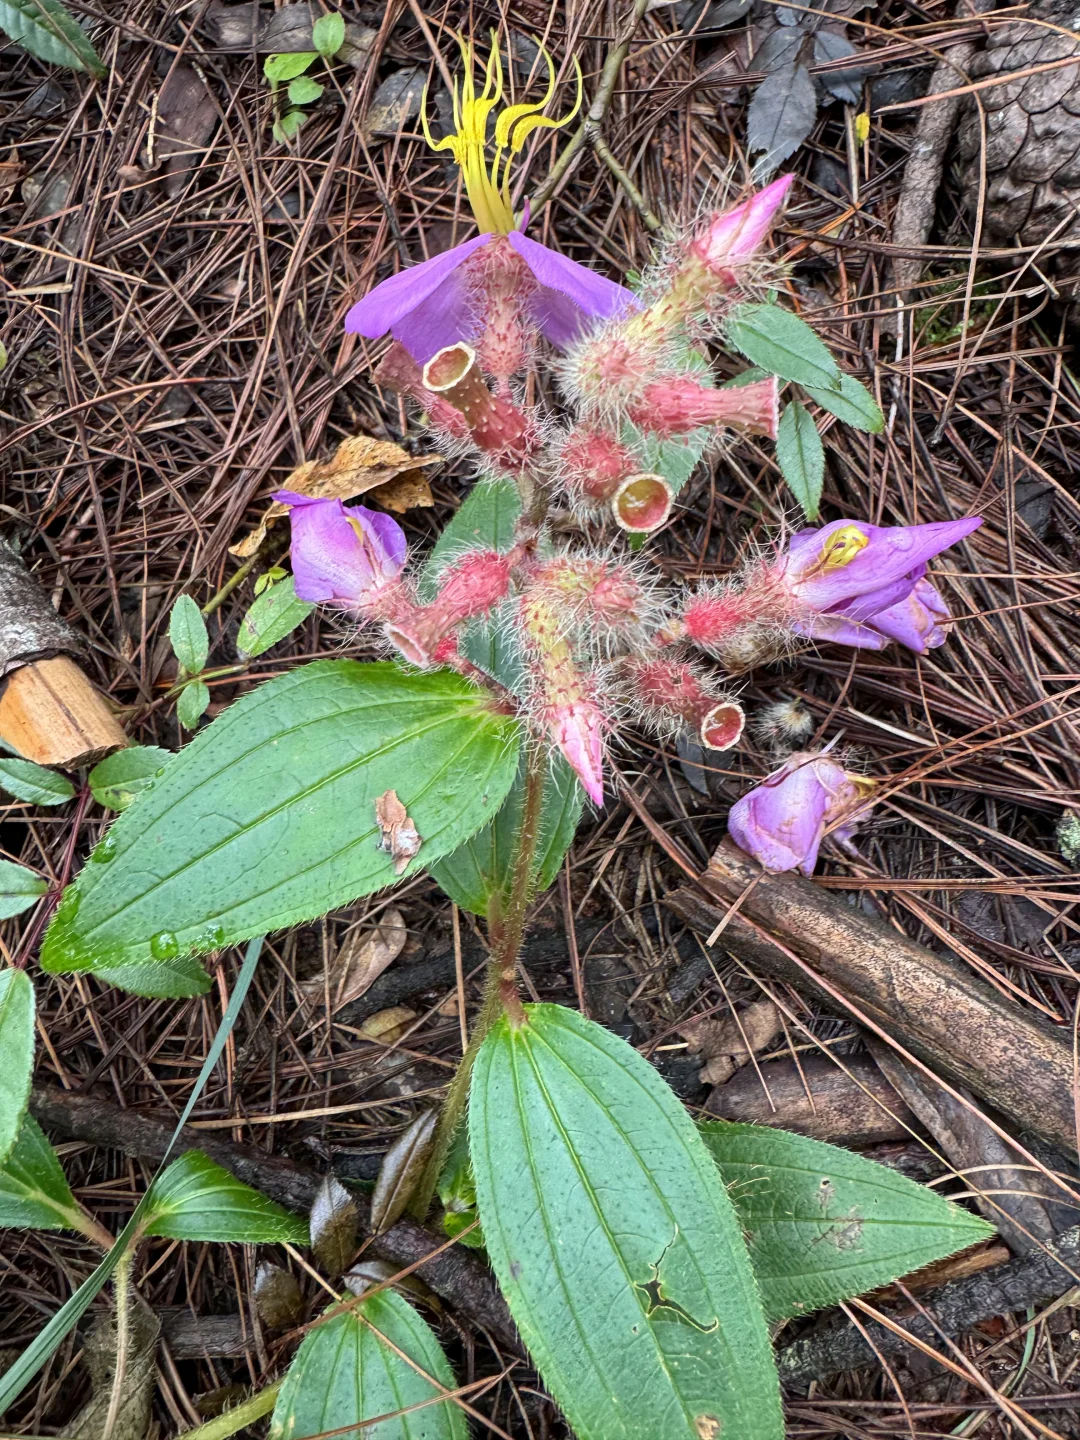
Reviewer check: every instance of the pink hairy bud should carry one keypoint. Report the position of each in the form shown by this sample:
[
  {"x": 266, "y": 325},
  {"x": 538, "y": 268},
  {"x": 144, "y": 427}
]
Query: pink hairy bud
[
  {"x": 597, "y": 588},
  {"x": 734, "y": 236},
  {"x": 507, "y": 335},
  {"x": 496, "y": 425},
  {"x": 594, "y": 463},
  {"x": 642, "y": 503},
  {"x": 566, "y": 710},
  {"x": 675, "y": 689},
  {"x": 677, "y": 406},
  {"x": 711, "y": 618},
  {"x": 610, "y": 370},
  {"x": 473, "y": 586},
  {"x": 398, "y": 371}
]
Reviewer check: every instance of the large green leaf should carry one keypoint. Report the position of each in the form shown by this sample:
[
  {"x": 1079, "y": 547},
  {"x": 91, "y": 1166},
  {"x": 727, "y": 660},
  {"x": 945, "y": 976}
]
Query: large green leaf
[
  {"x": 19, "y": 889},
  {"x": 45, "y": 28},
  {"x": 481, "y": 867},
  {"x": 852, "y": 403},
  {"x": 17, "y": 1050},
  {"x": 268, "y": 817},
  {"x": 801, "y": 456},
  {"x": 33, "y": 1190},
  {"x": 613, "y": 1239},
  {"x": 345, "y": 1372},
  {"x": 782, "y": 344},
  {"x": 197, "y": 1199},
  {"x": 824, "y": 1224}
]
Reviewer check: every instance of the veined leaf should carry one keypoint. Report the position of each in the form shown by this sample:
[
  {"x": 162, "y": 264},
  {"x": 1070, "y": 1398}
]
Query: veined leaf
[
  {"x": 187, "y": 634},
  {"x": 303, "y": 90},
  {"x": 780, "y": 116},
  {"x": 801, "y": 456},
  {"x": 783, "y": 345},
  {"x": 119, "y": 778},
  {"x": 268, "y": 817},
  {"x": 34, "y": 1193},
  {"x": 288, "y": 66},
  {"x": 197, "y": 1199},
  {"x": 348, "y": 1371},
  {"x": 852, "y": 403},
  {"x": 19, "y": 889},
  {"x": 50, "y": 33},
  {"x": 614, "y": 1241},
  {"x": 191, "y": 704},
  {"x": 33, "y": 783},
  {"x": 275, "y": 614},
  {"x": 17, "y": 1050},
  {"x": 328, "y": 34},
  {"x": 824, "y": 1224}
]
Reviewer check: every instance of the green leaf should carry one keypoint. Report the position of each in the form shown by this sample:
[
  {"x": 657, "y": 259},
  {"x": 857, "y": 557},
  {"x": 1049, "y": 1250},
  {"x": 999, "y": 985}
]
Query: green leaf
[
  {"x": 276, "y": 613},
  {"x": 675, "y": 459},
  {"x": 614, "y": 1241},
  {"x": 303, "y": 90},
  {"x": 328, "y": 34},
  {"x": 346, "y": 1373},
  {"x": 33, "y": 783},
  {"x": 268, "y": 817},
  {"x": 782, "y": 344},
  {"x": 480, "y": 868},
  {"x": 45, "y": 28},
  {"x": 824, "y": 1224},
  {"x": 286, "y": 127},
  {"x": 801, "y": 456},
  {"x": 750, "y": 376},
  {"x": 287, "y": 67},
  {"x": 187, "y": 634},
  {"x": 34, "y": 1192},
  {"x": 17, "y": 1049},
  {"x": 852, "y": 403},
  {"x": 175, "y": 978},
  {"x": 191, "y": 704},
  {"x": 196, "y": 1199},
  {"x": 122, "y": 776},
  {"x": 457, "y": 1192},
  {"x": 19, "y": 889}
]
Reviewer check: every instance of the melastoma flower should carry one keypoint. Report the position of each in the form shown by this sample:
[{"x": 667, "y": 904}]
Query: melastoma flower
[
  {"x": 846, "y": 576},
  {"x": 782, "y": 821},
  {"x": 442, "y": 300},
  {"x": 734, "y": 236},
  {"x": 342, "y": 554}
]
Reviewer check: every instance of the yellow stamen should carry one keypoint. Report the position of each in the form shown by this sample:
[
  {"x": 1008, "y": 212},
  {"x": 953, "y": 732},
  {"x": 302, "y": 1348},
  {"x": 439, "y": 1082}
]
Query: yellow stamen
[
  {"x": 488, "y": 184},
  {"x": 840, "y": 548}
]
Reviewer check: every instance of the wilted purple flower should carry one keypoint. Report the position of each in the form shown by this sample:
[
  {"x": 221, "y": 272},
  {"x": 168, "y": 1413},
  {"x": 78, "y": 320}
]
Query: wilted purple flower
[
  {"x": 341, "y": 553},
  {"x": 441, "y": 301},
  {"x": 781, "y": 822},
  {"x": 846, "y": 575}
]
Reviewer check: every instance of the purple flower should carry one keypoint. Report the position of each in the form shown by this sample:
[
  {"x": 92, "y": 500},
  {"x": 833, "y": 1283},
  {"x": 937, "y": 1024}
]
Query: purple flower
[
  {"x": 782, "y": 821},
  {"x": 845, "y": 576},
  {"x": 339, "y": 552},
  {"x": 440, "y": 301}
]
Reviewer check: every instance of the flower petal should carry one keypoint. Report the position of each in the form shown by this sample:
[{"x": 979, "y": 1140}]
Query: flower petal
[
  {"x": 914, "y": 622},
  {"x": 891, "y": 553},
  {"x": 339, "y": 554},
  {"x": 840, "y": 630},
  {"x": 388, "y": 303},
  {"x": 781, "y": 821},
  {"x": 569, "y": 293}
]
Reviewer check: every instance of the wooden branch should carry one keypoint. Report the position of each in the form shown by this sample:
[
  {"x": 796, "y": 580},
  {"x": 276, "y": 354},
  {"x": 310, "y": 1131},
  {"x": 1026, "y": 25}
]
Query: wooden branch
[
  {"x": 456, "y": 1274},
  {"x": 49, "y": 710},
  {"x": 792, "y": 929}
]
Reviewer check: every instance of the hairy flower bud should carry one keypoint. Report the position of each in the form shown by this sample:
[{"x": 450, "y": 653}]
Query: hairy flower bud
[
  {"x": 671, "y": 689},
  {"x": 496, "y": 425},
  {"x": 593, "y": 463},
  {"x": 473, "y": 586},
  {"x": 398, "y": 371},
  {"x": 733, "y": 237},
  {"x": 679, "y": 405},
  {"x": 642, "y": 503},
  {"x": 580, "y": 588},
  {"x": 566, "y": 710}
]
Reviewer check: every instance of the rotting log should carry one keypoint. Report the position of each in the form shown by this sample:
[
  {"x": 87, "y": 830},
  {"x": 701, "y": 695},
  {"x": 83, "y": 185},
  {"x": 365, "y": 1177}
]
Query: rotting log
[
  {"x": 790, "y": 928},
  {"x": 50, "y": 712}
]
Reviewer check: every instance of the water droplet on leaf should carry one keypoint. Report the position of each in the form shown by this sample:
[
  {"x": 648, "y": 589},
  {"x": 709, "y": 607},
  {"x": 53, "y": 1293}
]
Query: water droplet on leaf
[{"x": 164, "y": 946}]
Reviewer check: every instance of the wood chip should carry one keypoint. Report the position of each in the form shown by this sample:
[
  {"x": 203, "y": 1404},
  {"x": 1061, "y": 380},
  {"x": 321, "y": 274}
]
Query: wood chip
[{"x": 724, "y": 1043}]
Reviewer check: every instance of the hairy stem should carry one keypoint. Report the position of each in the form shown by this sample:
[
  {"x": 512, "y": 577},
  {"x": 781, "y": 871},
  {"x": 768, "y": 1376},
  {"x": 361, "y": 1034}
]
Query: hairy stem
[
  {"x": 238, "y": 1417},
  {"x": 122, "y": 1295},
  {"x": 506, "y": 925}
]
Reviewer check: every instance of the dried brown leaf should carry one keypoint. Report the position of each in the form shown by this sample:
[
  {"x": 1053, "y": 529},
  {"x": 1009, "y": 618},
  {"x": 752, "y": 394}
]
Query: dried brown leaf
[
  {"x": 388, "y": 1025},
  {"x": 334, "y": 1224},
  {"x": 277, "y": 1296},
  {"x": 359, "y": 962},
  {"x": 360, "y": 464},
  {"x": 402, "y": 1166},
  {"x": 411, "y": 491},
  {"x": 400, "y": 838},
  {"x": 724, "y": 1043}
]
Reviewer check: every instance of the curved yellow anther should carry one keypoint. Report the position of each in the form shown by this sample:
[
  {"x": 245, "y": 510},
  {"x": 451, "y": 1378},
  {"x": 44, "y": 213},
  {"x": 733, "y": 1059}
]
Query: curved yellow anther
[{"x": 841, "y": 547}]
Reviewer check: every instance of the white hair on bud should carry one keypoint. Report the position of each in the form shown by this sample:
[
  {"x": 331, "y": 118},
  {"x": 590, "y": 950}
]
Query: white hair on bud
[{"x": 783, "y": 725}]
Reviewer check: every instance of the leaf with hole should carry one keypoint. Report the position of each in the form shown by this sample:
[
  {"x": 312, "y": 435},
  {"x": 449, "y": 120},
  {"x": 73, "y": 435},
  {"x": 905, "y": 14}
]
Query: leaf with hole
[
  {"x": 187, "y": 634},
  {"x": 801, "y": 456},
  {"x": 34, "y": 1193},
  {"x": 379, "y": 1359},
  {"x": 19, "y": 889},
  {"x": 276, "y": 613},
  {"x": 781, "y": 116},
  {"x": 278, "y": 68},
  {"x": 613, "y": 1239},
  {"x": 17, "y": 1048},
  {"x": 33, "y": 783},
  {"x": 824, "y": 1224},
  {"x": 328, "y": 34},
  {"x": 782, "y": 344},
  {"x": 197, "y": 1199},
  {"x": 852, "y": 403},
  {"x": 47, "y": 30},
  {"x": 121, "y": 777},
  {"x": 268, "y": 817}
]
